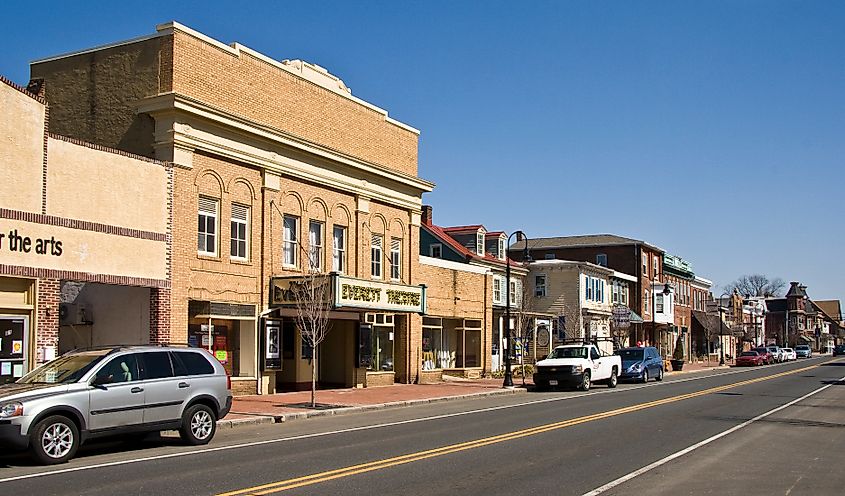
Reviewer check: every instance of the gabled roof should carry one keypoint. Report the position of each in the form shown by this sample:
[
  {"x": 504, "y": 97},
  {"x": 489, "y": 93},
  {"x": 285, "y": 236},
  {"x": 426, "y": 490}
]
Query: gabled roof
[
  {"x": 584, "y": 241},
  {"x": 457, "y": 229},
  {"x": 831, "y": 307},
  {"x": 442, "y": 234},
  {"x": 494, "y": 234}
]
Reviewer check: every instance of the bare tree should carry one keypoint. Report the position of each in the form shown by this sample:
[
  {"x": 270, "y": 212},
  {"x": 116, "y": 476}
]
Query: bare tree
[
  {"x": 757, "y": 285},
  {"x": 312, "y": 297},
  {"x": 524, "y": 320}
]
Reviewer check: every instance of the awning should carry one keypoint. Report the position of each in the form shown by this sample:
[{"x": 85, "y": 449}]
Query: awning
[
  {"x": 806, "y": 338},
  {"x": 635, "y": 319}
]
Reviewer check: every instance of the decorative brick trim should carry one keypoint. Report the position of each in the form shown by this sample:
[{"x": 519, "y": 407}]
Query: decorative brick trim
[
  {"x": 23, "y": 90},
  {"x": 82, "y": 225},
  {"x": 44, "y": 159},
  {"x": 16, "y": 270},
  {"x": 106, "y": 149}
]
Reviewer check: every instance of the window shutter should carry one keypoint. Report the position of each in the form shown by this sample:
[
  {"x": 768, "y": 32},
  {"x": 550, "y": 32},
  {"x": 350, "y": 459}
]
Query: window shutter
[
  {"x": 208, "y": 206},
  {"x": 240, "y": 212}
]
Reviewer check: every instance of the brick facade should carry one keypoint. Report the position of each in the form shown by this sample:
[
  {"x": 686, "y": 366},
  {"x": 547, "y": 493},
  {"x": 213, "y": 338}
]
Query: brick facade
[{"x": 48, "y": 297}]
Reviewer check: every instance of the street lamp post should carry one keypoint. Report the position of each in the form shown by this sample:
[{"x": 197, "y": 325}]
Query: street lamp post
[
  {"x": 520, "y": 236},
  {"x": 721, "y": 327}
]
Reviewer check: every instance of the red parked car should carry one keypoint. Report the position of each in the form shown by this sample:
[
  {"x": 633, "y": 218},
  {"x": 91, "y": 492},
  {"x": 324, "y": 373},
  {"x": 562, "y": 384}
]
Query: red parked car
[
  {"x": 750, "y": 359},
  {"x": 762, "y": 350}
]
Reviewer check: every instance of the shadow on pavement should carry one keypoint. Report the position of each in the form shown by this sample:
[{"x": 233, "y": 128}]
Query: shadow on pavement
[{"x": 98, "y": 447}]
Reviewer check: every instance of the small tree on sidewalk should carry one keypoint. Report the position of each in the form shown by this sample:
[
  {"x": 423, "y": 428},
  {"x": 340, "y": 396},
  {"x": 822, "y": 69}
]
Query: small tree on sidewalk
[{"x": 312, "y": 298}]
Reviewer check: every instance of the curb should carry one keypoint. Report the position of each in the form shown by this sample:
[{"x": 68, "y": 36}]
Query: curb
[
  {"x": 718, "y": 367},
  {"x": 287, "y": 417}
]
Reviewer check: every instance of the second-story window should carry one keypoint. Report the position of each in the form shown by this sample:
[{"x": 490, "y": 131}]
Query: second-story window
[
  {"x": 396, "y": 259},
  {"x": 656, "y": 266},
  {"x": 240, "y": 228},
  {"x": 207, "y": 226},
  {"x": 645, "y": 265},
  {"x": 497, "y": 289},
  {"x": 291, "y": 246},
  {"x": 435, "y": 250},
  {"x": 502, "y": 253},
  {"x": 512, "y": 293},
  {"x": 315, "y": 245},
  {"x": 479, "y": 243},
  {"x": 540, "y": 285},
  {"x": 339, "y": 249},
  {"x": 376, "y": 255},
  {"x": 658, "y": 303}
]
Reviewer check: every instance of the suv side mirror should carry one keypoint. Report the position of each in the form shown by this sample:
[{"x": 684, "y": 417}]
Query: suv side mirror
[{"x": 100, "y": 381}]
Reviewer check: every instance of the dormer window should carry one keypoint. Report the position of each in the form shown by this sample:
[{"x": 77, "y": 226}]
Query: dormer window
[
  {"x": 501, "y": 252},
  {"x": 479, "y": 243}
]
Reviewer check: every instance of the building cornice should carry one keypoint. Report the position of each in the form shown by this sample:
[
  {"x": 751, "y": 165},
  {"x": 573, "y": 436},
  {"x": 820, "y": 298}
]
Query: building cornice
[{"x": 174, "y": 114}]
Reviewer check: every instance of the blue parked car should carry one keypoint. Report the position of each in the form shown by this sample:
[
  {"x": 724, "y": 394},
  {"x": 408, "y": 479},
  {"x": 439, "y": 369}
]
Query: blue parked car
[{"x": 641, "y": 363}]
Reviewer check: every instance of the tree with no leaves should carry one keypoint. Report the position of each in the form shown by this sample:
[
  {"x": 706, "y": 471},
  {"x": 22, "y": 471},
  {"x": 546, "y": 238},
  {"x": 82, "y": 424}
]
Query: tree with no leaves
[
  {"x": 757, "y": 285},
  {"x": 312, "y": 296}
]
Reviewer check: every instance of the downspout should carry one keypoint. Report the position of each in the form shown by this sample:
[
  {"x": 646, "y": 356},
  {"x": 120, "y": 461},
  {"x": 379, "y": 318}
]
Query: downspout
[{"x": 259, "y": 321}]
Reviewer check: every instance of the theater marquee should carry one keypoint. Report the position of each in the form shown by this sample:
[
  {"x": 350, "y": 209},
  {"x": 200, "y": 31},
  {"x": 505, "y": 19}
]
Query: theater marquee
[{"x": 353, "y": 293}]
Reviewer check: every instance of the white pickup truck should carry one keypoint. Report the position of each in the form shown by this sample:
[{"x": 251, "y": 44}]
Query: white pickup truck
[{"x": 577, "y": 365}]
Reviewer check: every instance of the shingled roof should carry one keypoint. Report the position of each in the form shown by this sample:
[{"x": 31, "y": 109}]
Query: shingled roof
[{"x": 583, "y": 241}]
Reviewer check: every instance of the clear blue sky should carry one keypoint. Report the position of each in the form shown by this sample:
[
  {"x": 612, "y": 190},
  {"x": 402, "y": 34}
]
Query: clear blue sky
[{"x": 715, "y": 130}]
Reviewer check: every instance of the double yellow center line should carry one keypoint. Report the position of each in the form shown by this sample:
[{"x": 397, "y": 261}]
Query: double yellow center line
[{"x": 276, "y": 487}]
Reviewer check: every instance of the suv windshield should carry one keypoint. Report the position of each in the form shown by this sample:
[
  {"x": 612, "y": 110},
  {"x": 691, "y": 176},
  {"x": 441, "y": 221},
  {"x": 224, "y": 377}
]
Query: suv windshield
[
  {"x": 65, "y": 369},
  {"x": 576, "y": 352},
  {"x": 631, "y": 355}
]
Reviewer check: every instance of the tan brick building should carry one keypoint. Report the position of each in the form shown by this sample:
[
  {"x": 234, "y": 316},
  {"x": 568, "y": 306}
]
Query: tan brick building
[
  {"x": 84, "y": 240},
  {"x": 275, "y": 162}
]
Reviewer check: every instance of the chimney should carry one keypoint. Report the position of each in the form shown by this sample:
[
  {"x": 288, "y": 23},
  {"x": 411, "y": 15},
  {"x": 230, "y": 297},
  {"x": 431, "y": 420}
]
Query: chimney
[{"x": 426, "y": 214}]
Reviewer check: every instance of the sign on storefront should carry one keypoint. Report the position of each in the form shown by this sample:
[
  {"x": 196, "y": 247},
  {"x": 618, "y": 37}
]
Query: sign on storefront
[{"x": 349, "y": 292}]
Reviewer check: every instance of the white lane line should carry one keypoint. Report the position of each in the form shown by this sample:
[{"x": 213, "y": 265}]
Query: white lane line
[
  {"x": 357, "y": 429},
  {"x": 663, "y": 461}
]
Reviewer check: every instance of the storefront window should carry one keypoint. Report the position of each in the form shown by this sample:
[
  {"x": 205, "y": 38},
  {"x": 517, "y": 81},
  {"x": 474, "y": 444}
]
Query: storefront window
[
  {"x": 231, "y": 343},
  {"x": 463, "y": 342},
  {"x": 434, "y": 356}
]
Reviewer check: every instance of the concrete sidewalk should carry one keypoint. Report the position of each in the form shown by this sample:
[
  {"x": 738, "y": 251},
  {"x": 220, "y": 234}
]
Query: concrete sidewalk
[{"x": 283, "y": 407}]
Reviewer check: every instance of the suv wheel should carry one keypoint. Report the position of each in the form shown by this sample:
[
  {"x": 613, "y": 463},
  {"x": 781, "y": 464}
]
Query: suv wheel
[
  {"x": 198, "y": 425},
  {"x": 54, "y": 439}
]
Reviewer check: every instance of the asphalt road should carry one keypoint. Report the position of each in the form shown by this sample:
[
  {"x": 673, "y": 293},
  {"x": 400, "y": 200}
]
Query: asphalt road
[{"x": 767, "y": 430}]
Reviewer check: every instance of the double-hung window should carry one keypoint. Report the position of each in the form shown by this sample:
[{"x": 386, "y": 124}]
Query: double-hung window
[
  {"x": 497, "y": 289},
  {"x": 479, "y": 243},
  {"x": 658, "y": 303},
  {"x": 540, "y": 285},
  {"x": 240, "y": 230},
  {"x": 291, "y": 245},
  {"x": 315, "y": 246},
  {"x": 512, "y": 293},
  {"x": 376, "y": 254},
  {"x": 501, "y": 250},
  {"x": 396, "y": 259},
  {"x": 207, "y": 226},
  {"x": 339, "y": 249}
]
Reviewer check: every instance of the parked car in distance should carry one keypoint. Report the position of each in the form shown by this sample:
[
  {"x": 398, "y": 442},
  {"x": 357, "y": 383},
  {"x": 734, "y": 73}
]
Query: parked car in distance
[
  {"x": 776, "y": 352},
  {"x": 750, "y": 359},
  {"x": 839, "y": 349},
  {"x": 803, "y": 351},
  {"x": 112, "y": 391},
  {"x": 577, "y": 365},
  {"x": 788, "y": 354},
  {"x": 641, "y": 363},
  {"x": 767, "y": 355}
]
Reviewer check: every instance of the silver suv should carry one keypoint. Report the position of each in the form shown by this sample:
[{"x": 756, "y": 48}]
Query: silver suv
[{"x": 102, "y": 392}]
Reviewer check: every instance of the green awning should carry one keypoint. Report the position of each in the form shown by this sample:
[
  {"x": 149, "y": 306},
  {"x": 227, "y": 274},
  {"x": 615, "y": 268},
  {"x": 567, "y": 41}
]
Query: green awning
[{"x": 636, "y": 319}]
